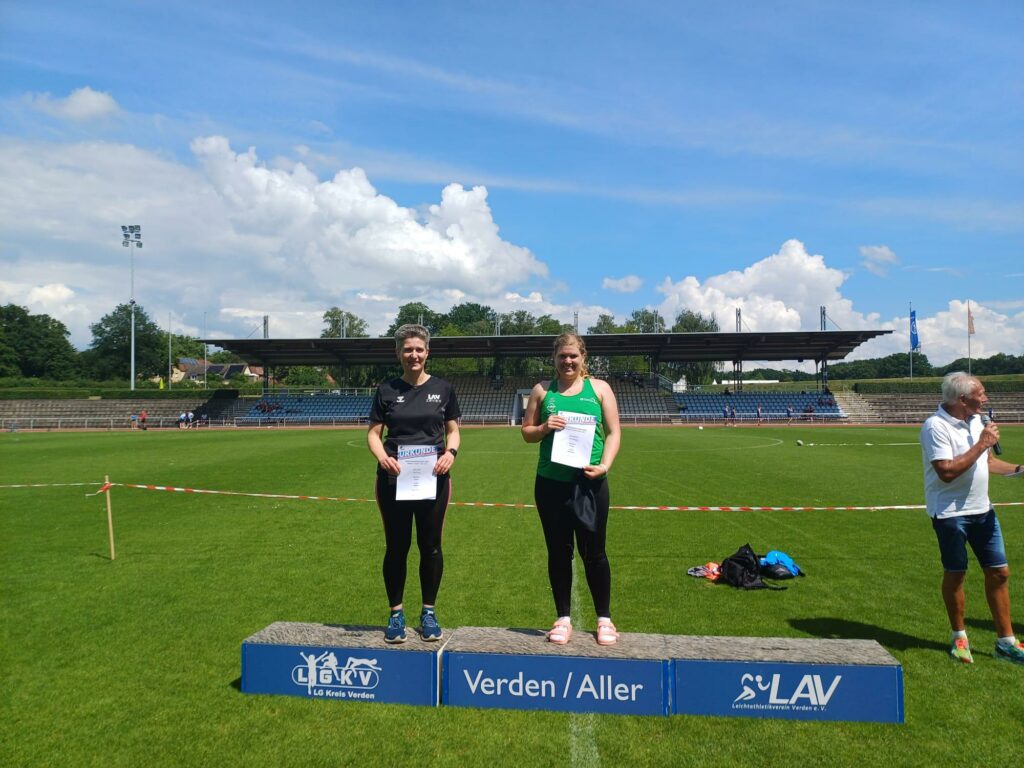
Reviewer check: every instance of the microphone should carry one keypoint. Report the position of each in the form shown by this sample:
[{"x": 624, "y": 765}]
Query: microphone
[{"x": 986, "y": 420}]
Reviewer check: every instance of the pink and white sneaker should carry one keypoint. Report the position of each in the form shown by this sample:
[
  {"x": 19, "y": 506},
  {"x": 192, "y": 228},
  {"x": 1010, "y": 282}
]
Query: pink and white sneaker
[
  {"x": 606, "y": 632},
  {"x": 560, "y": 632}
]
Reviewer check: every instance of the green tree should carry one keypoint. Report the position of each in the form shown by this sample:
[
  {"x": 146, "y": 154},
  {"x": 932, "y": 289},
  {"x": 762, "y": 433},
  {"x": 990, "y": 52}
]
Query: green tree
[
  {"x": 109, "y": 355},
  {"x": 644, "y": 321},
  {"x": 549, "y": 326},
  {"x": 418, "y": 313},
  {"x": 38, "y": 345},
  {"x": 468, "y": 319},
  {"x": 605, "y": 324},
  {"x": 8, "y": 358},
  {"x": 698, "y": 371},
  {"x": 303, "y": 376},
  {"x": 340, "y": 323}
]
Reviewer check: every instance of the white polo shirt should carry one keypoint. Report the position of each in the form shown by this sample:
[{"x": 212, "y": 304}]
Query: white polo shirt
[{"x": 944, "y": 437}]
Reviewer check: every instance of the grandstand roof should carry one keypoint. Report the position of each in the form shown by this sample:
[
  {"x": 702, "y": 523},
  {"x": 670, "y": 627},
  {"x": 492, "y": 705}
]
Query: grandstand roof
[{"x": 667, "y": 347}]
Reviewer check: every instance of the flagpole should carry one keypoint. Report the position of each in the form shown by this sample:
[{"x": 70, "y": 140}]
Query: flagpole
[
  {"x": 970, "y": 322},
  {"x": 910, "y": 304}
]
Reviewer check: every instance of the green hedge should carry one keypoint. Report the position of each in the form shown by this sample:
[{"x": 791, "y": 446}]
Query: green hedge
[
  {"x": 933, "y": 385},
  {"x": 84, "y": 393}
]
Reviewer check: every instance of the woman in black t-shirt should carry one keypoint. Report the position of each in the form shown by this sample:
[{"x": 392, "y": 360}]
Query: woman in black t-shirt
[{"x": 421, "y": 411}]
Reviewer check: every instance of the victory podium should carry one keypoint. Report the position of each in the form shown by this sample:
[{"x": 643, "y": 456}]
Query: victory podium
[{"x": 643, "y": 674}]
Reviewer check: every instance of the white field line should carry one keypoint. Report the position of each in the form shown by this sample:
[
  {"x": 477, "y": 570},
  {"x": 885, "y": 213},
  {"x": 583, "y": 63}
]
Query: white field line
[{"x": 583, "y": 749}]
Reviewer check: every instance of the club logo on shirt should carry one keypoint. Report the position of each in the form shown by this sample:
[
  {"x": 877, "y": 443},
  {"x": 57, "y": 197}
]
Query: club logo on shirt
[
  {"x": 433, "y": 398},
  {"x": 400, "y": 399}
]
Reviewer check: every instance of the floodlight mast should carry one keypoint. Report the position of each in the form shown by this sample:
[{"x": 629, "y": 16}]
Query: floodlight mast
[{"x": 132, "y": 235}]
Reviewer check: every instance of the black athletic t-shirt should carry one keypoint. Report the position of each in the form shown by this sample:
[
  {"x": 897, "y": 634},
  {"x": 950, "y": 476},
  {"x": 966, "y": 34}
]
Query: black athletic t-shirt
[{"x": 414, "y": 415}]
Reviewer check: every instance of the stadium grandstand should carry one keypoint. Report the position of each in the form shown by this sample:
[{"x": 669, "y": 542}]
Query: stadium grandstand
[{"x": 643, "y": 397}]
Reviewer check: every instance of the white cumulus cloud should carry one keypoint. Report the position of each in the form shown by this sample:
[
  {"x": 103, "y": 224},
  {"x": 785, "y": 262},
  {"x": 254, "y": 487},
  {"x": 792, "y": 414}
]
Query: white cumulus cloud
[
  {"x": 782, "y": 292},
  {"x": 235, "y": 233},
  {"x": 81, "y": 105},
  {"x": 878, "y": 259},
  {"x": 627, "y": 284}
]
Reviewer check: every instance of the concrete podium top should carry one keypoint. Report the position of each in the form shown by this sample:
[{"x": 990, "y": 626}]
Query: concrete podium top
[
  {"x": 533, "y": 642},
  {"x": 336, "y": 636},
  {"x": 631, "y": 645},
  {"x": 799, "y": 650}
]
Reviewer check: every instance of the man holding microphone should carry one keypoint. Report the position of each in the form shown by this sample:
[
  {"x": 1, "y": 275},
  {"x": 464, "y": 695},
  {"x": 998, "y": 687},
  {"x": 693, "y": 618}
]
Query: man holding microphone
[{"x": 958, "y": 456}]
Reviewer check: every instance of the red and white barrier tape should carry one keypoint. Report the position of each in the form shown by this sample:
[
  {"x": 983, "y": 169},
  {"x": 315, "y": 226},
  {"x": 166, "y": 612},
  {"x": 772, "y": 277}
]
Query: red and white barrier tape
[{"x": 657, "y": 508}]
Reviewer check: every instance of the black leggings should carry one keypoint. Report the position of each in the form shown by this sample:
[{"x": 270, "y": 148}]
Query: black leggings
[
  {"x": 560, "y": 524},
  {"x": 397, "y": 517}
]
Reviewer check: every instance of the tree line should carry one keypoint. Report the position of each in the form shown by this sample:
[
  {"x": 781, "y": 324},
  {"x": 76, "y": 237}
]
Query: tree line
[
  {"x": 37, "y": 346},
  {"x": 897, "y": 366}
]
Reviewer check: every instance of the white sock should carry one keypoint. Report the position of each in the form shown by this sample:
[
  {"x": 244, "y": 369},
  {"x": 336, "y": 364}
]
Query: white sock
[
  {"x": 1007, "y": 642},
  {"x": 958, "y": 633}
]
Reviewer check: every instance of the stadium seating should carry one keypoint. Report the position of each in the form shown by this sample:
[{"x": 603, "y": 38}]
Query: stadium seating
[
  {"x": 805, "y": 405},
  {"x": 307, "y": 409}
]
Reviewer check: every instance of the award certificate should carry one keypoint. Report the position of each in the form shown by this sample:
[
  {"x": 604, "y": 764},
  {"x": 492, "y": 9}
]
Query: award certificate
[
  {"x": 416, "y": 481},
  {"x": 572, "y": 444}
]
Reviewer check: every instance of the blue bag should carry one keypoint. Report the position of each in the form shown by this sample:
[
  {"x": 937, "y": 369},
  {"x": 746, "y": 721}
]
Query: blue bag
[{"x": 779, "y": 565}]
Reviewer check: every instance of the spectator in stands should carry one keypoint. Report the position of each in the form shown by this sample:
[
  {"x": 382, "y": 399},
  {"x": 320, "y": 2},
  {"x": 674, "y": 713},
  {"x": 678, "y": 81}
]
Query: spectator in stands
[
  {"x": 134, "y": 419},
  {"x": 142, "y": 419},
  {"x": 418, "y": 410},
  {"x": 958, "y": 458},
  {"x": 573, "y": 502}
]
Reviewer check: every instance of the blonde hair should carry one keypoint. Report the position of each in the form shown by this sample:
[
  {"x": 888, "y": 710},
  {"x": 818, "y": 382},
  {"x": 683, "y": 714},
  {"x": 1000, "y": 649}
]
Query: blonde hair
[{"x": 568, "y": 339}]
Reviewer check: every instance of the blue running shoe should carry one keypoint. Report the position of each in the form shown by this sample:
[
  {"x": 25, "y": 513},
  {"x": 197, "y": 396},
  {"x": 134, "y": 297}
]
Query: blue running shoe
[
  {"x": 395, "y": 630},
  {"x": 1012, "y": 653},
  {"x": 430, "y": 630}
]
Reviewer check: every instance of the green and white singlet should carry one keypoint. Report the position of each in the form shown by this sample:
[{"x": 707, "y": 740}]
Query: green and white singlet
[{"x": 585, "y": 402}]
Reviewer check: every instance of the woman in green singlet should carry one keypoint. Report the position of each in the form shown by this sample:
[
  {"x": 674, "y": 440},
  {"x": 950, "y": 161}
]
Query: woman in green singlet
[{"x": 573, "y": 502}]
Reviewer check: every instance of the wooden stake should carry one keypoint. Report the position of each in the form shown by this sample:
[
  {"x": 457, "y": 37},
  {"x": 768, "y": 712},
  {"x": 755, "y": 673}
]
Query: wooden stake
[{"x": 110, "y": 516}]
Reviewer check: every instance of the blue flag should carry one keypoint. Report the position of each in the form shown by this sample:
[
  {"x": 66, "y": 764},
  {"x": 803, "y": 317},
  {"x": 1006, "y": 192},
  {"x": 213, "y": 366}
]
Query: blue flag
[{"x": 915, "y": 341}]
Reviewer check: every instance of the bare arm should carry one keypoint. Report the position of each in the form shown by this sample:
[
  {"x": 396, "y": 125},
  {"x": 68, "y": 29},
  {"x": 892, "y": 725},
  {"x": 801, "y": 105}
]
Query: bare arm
[
  {"x": 452, "y": 441},
  {"x": 612, "y": 430},
  {"x": 1000, "y": 467},
  {"x": 534, "y": 430},
  {"x": 949, "y": 470},
  {"x": 375, "y": 442}
]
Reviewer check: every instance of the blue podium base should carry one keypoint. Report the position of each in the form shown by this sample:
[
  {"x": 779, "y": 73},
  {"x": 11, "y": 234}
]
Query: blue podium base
[
  {"x": 643, "y": 674},
  {"x": 340, "y": 662}
]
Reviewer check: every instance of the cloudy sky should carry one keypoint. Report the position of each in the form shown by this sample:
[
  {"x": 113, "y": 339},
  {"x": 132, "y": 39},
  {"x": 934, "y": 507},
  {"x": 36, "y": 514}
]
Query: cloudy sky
[{"x": 555, "y": 157}]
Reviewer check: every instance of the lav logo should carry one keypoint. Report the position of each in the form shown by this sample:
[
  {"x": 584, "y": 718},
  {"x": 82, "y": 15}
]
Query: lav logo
[
  {"x": 322, "y": 677},
  {"x": 433, "y": 398},
  {"x": 809, "y": 695}
]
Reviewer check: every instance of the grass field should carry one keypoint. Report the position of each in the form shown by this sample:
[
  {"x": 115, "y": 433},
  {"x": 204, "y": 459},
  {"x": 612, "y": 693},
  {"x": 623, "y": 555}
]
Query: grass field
[{"x": 136, "y": 661}]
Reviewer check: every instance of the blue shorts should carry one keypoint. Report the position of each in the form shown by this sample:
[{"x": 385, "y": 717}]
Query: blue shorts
[{"x": 982, "y": 532}]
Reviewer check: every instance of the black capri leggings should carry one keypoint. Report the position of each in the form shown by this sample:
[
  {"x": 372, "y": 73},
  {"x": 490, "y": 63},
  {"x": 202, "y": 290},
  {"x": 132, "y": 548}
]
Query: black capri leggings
[
  {"x": 397, "y": 517},
  {"x": 560, "y": 525}
]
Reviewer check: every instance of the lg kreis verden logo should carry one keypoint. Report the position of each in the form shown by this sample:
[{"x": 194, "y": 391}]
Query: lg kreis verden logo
[{"x": 323, "y": 671}]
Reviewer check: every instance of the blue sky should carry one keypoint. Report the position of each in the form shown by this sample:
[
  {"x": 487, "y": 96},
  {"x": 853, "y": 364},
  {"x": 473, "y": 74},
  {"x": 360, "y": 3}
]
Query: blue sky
[{"x": 555, "y": 157}]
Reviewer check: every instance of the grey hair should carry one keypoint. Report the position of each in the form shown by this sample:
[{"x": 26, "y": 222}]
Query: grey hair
[
  {"x": 957, "y": 384},
  {"x": 411, "y": 331}
]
